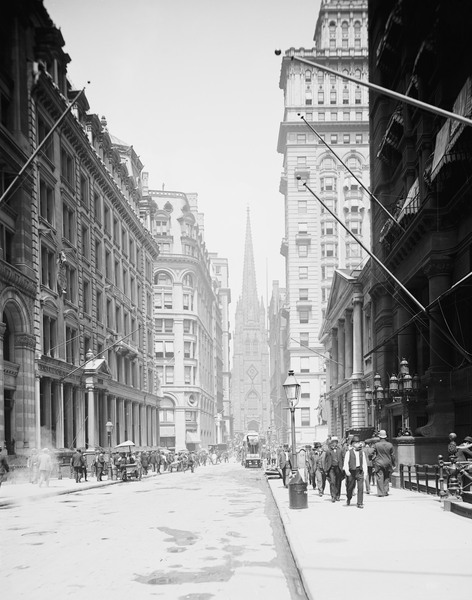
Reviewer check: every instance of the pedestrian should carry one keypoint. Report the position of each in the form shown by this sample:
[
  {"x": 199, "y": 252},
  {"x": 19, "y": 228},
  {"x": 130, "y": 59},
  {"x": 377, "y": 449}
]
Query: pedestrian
[
  {"x": 153, "y": 461},
  {"x": 310, "y": 465},
  {"x": 369, "y": 469},
  {"x": 32, "y": 465},
  {"x": 100, "y": 465},
  {"x": 76, "y": 464},
  {"x": 354, "y": 464},
  {"x": 383, "y": 460},
  {"x": 302, "y": 464},
  {"x": 285, "y": 464},
  {"x": 320, "y": 473},
  {"x": 191, "y": 462},
  {"x": 4, "y": 467},
  {"x": 84, "y": 466},
  {"x": 332, "y": 466},
  {"x": 464, "y": 450},
  {"x": 44, "y": 467},
  {"x": 145, "y": 462}
]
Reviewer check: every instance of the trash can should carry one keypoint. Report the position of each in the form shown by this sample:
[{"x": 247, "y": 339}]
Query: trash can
[{"x": 297, "y": 494}]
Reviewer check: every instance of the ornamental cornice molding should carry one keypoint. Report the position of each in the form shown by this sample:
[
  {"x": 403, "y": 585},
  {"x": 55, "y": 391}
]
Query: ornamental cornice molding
[
  {"x": 25, "y": 340},
  {"x": 10, "y": 275},
  {"x": 438, "y": 266}
]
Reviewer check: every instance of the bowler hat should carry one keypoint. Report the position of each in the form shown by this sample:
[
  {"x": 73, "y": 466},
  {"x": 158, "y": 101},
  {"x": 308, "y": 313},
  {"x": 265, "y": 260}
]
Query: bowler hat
[
  {"x": 468, "y": 439},
  {"x": 382, "y": 433}
]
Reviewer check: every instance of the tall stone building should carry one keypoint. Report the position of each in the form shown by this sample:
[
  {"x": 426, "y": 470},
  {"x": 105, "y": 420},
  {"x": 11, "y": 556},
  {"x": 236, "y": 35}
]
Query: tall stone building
[
  {"x": 188, "y": 325},
  {"x": 250, "y": 390},
  {"x": 279, "y": 366},
  {"x": 315, "y": 244},
  {"x": 421, "y": 172},
  {"x": 76, "y": 330},
  {"x": 223, "y": 417}
]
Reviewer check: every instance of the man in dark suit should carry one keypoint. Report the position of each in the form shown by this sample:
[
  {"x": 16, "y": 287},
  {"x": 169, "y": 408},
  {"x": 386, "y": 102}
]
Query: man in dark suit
[
  {"x": 354, "y": 466},
  {"x": 332, "y": 466},
  {"x": 285, "y": 464},
  {"x": 383, "y": 460}
]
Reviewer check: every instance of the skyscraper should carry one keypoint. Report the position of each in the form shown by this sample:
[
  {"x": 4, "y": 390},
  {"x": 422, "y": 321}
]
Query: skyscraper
[
  {"x": 315, "y": 244},
  {"x": 250, "y": 380}
]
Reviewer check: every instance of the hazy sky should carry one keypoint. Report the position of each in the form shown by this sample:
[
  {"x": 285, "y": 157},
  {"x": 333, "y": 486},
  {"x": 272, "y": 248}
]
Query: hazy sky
[{"x": 193, "y": 85}]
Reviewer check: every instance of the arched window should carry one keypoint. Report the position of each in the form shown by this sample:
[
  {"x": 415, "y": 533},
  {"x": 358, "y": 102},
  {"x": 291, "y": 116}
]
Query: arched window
[
  {"x": 357, "y": 34},
  {"x": 167, "y": 410},
  {"x": 332, "y": 35},
  {"x": 162, "y": 278},
  {"x": 308, "y": 75},
  {"x": 327, "y": 164},
  {"x": 354, "y": 163},
  {"x": 188, "y": 280}
]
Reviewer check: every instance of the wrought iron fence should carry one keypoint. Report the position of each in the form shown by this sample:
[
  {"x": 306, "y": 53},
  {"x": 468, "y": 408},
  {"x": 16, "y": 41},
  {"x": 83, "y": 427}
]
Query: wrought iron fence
[{"x": 420, "y": 478}]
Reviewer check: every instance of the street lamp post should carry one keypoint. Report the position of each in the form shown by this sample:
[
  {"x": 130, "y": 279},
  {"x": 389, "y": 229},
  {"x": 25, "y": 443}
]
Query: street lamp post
[
  {"x": 375, "y": 396},
  {"x": 298, "y": 497},
  {"x": 292, "y": 389},
  {"x": 109, "y": 427},
  {"x": 406, "y": 387}
]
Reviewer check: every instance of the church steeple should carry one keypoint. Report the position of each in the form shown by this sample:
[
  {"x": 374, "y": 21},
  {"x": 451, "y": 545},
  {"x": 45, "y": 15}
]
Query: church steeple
[{"x": 249, "y": 296}]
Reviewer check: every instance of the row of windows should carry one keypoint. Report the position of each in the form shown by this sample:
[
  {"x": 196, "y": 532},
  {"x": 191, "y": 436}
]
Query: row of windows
[
  {"x": 321, "y": 75},
  {"x": 333, "y": 116},
  {"x": 329, "y": 164},
  {"x": 330, "y": 228},
  {"x": 346, "y": 138},
  {"x": 121, "y": 237},
  {"x": 165, "y": 349},
  {"x": 353, "y": 250},
  {"x": 164, "y": 279},
  {"x": 333, "y": 95}
]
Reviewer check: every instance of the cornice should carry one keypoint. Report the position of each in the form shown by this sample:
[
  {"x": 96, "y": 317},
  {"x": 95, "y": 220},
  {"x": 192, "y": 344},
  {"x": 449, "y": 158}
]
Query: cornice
[{"x": 11, "y": 276}]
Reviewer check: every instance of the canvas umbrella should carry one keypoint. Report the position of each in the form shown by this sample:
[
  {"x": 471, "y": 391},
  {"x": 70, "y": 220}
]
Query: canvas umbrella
[{"x": 126, "y": 444}]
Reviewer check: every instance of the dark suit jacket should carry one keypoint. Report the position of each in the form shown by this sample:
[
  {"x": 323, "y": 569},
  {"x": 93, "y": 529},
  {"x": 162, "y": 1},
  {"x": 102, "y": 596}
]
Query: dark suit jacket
[{"x": 328, "y": 458}]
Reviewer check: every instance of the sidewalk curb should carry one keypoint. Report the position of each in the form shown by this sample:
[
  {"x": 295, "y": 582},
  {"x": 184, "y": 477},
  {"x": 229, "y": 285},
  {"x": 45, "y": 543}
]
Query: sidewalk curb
[{"x": 292, "y": 539}]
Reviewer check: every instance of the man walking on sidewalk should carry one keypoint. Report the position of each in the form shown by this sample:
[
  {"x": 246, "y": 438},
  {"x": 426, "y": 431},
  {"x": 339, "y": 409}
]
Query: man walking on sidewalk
[
  {"x": 332, "y": 466},
  {"x": 383, "y": 460},
  {"x": 76, "y": 464},
  {"x": 354, "y": 466}
]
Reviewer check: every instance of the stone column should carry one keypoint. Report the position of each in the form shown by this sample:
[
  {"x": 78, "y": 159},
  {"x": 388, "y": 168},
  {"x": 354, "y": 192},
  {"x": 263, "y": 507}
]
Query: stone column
[
  {"x": 60, "y": 416},
  {"x": 334, "y": 357},
  {"x": 348, "y": 352},
  {"x": 439, "y": 280},
  {"x": 91, "y": 415},
  {"x": 80, "y": 423},
  {"x": 113, "y": 416},
  {"x": 121, "y": 421},
  {"x": 357, "y": 366},
  {"x": 440, "y": 407},
  {"x": 341, "y": 349},
  {"x": 37, "y": 411}
]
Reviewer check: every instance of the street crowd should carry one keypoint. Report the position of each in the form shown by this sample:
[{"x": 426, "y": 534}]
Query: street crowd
[
  {"x": 358, "y": 464},
  {"x": 40, "y": 466}
]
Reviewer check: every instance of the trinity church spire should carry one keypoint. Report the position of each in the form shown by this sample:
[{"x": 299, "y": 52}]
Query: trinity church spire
[{"x": 249, "y": 293}]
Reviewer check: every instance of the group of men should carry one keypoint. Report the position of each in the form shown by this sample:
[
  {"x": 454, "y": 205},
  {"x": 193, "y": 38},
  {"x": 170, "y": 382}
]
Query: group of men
[{"x": 355, "y": 461}]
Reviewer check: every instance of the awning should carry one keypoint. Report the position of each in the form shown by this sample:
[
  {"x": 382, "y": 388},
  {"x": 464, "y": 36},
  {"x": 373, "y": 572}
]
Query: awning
[
  {"x": 447, "y": 149},
  {"x": 192, "y": 437},
  {"x": 411, "y": 204},
  {"x": 442, "y": 141}
]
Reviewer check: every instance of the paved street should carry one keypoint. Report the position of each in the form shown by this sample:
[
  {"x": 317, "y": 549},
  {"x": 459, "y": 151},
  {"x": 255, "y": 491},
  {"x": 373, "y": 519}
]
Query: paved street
[{"x": 215, "y": 533}]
